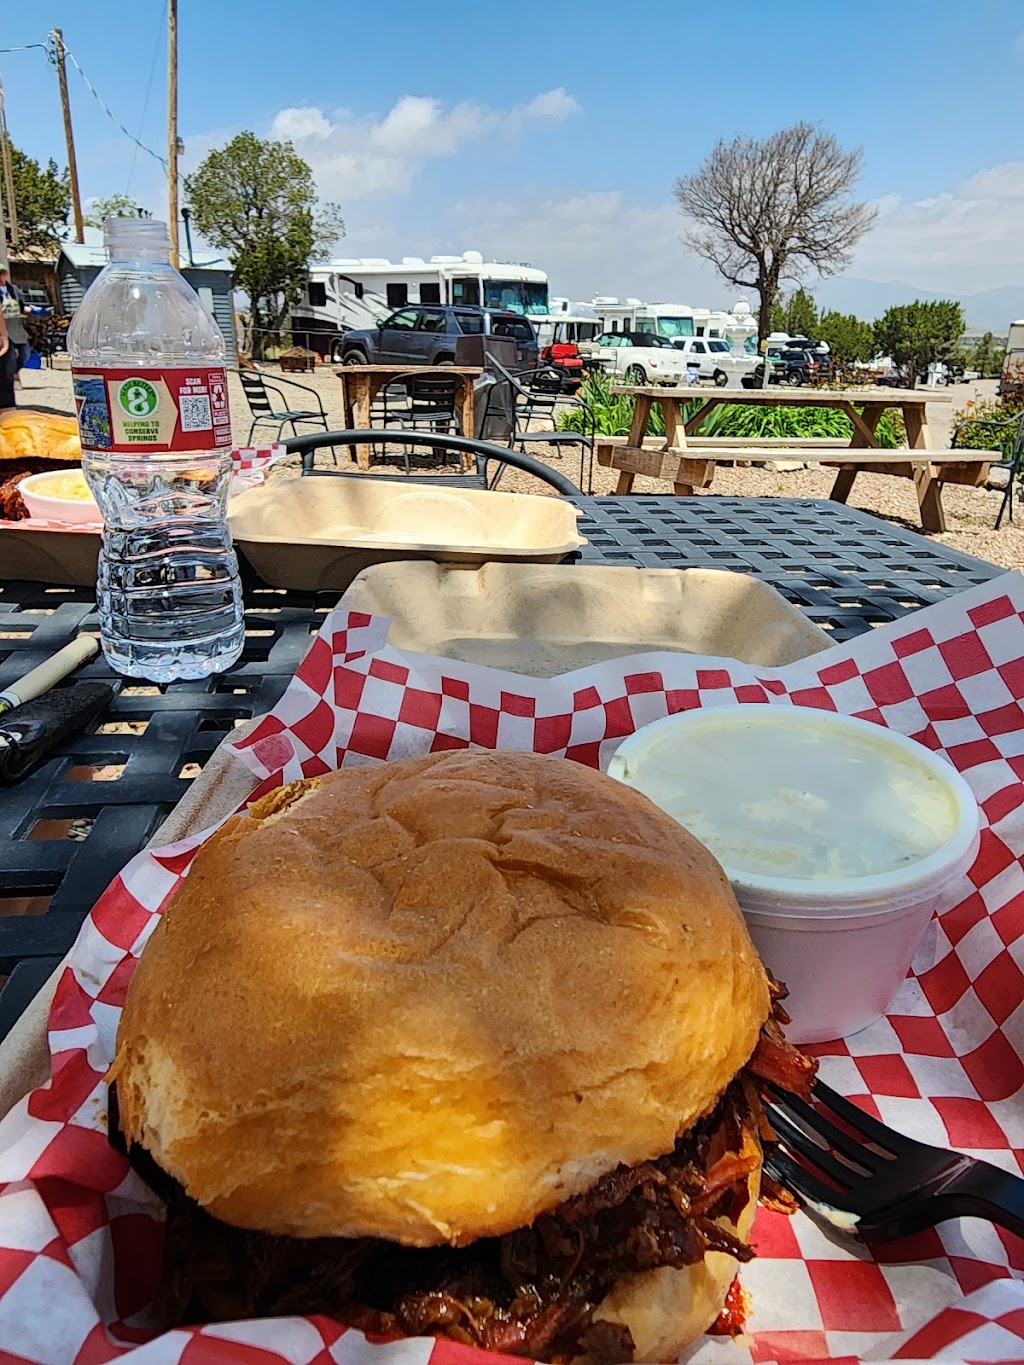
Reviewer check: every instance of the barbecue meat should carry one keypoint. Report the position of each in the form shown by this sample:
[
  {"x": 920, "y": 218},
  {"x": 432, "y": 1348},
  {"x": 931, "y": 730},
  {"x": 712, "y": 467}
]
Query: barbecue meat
[{"x": 532, "y": 1291}]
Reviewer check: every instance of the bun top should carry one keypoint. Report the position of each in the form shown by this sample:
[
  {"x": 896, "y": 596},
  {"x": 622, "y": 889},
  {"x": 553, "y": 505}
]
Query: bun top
[{"x": 428, "y": 1000}]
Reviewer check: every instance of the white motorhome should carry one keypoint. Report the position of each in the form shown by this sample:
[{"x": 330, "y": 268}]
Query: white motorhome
[
  {"x": 568, "y": 323},
  {"x": 350, "y": 292},
  {"x": 1013, "y": 363},
  {"x": 672, "y": 320}
]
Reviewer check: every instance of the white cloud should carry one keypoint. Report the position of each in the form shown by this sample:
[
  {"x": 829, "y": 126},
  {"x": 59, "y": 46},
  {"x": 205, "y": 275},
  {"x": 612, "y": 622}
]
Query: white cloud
[
  {"x": 355, "y": 157},
  {"x": 961, "y": 240},
  {"x": 594, "y": 242}
]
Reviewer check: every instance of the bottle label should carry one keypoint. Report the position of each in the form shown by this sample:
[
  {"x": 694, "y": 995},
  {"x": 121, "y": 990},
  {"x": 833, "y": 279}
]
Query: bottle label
[{"x": 153, "y": 410}]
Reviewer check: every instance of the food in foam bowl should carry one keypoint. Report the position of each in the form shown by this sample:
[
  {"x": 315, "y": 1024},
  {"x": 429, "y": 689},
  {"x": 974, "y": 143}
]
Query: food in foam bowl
[{"x": 60, "y": 495}]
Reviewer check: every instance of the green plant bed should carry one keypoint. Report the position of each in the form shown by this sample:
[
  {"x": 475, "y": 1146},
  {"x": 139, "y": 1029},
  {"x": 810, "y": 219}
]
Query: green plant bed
[
  {"x": 983, "y": 436},
  {"x": 613, "y": 415}
]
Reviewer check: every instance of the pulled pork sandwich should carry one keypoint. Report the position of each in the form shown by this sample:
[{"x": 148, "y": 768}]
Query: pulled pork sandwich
[
  {"x": 33, "y": 442},
  {"x": 464, "y": 1045}
]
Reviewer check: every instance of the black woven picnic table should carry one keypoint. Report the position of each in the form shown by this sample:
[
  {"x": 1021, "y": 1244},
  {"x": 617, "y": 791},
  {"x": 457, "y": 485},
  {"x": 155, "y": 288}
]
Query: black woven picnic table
[{"x": 65, "y": 835}]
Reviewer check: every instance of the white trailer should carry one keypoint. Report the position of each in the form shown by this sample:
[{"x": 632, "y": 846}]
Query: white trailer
[
  {"x": 349, "y": 292},
  {"x": 1013, "y": 362},
  {"x": 672, "y": 320}
]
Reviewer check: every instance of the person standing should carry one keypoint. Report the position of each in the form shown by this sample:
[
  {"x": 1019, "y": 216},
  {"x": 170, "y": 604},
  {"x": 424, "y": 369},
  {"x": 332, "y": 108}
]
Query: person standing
[
  {"x": 6, "y": 368},
  {"x": 12, "y": 306}
]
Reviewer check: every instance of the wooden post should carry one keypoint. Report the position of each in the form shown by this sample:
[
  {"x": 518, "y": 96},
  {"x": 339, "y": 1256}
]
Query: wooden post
[
  {"x": 172, "y": 128},
  {"x": 69, "y": 137}
]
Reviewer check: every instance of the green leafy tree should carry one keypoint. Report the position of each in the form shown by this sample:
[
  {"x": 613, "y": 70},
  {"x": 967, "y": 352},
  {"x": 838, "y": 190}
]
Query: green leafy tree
[
  {"x": 986, "y": 357},
  {"x": 763, "y": 212},
  {"x": 256, "y": 201},
  {"x": 796, "y": 314},
  {"x": 116, "y": 206},
  {"x": 848, "y": 337},
  {"x": 916, "y": 334},
  {"x": 42, "y": 197}
]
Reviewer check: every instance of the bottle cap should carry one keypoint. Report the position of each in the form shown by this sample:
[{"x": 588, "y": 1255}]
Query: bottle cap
[{"x": 136, "y": 239}]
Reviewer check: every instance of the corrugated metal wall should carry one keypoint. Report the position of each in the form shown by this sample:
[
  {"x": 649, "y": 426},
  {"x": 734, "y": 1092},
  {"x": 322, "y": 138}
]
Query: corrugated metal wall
[
  {"x": 220, "y": 283},
  {"x": 73, "y": 282}
]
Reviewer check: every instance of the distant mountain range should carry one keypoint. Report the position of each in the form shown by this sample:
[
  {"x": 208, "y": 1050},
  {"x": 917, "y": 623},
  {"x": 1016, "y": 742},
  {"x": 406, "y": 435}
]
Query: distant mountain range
[{"x": 990, "y": 310}]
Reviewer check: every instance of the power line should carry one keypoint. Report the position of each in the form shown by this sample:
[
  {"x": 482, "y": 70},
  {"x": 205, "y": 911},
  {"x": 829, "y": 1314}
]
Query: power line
[
  {"x": 145, "y": 102},
  {"x": 113, "y": 117}
]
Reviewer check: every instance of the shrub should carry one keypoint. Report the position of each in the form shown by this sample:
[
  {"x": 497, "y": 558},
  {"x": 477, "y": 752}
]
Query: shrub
[{"x": 985, "y": 411}]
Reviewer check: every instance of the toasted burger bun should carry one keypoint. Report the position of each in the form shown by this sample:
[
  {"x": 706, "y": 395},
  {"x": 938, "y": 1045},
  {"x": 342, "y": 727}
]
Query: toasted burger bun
[
  {"x": 432, "y": 999},
  {"x": 666, "y": 1310}
]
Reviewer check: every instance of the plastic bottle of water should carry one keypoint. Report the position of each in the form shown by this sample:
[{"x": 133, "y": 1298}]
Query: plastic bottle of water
[{"x": 151, "y": 393}]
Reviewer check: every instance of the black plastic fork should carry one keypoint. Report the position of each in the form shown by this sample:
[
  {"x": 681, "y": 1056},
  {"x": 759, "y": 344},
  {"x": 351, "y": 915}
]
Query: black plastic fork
[{"x": 862, "y": 1178}]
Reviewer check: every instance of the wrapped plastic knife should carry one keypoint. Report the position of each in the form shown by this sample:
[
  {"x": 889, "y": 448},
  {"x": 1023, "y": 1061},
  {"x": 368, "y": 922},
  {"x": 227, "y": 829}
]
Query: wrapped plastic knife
[
  {"x": 30, "y": 732},
  {"x": 41, "y": 678}
]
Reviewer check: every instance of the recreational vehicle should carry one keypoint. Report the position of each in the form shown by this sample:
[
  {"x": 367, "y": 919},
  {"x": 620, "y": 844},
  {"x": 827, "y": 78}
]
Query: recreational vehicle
[{"x": 347, "y": 293}]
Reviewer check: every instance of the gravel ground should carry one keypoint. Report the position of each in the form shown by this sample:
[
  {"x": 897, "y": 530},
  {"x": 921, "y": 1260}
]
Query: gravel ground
[{"x": 970, "y": 512}]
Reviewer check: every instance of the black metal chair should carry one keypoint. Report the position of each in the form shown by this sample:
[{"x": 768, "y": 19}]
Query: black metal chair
[
  {"x": 1012, "y": 463},
  {"x": 537, "y": 395},
  {"x": 485, "y": 454},
  {"x": 258, "y": 393}
]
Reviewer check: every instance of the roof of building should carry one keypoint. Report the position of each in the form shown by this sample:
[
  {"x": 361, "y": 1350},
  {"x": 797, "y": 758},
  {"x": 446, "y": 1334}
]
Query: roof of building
[{"x": 95, "y": 254}]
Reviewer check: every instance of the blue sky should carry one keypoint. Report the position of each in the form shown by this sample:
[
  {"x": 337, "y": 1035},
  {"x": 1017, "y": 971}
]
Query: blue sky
[{"x": 551, "y": 132}]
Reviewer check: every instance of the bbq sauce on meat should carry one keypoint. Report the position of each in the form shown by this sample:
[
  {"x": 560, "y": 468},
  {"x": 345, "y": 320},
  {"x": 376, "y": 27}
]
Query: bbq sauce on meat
[
  {"x": 532, "y": 1292},
  {"x": 528, "y": 1293}
]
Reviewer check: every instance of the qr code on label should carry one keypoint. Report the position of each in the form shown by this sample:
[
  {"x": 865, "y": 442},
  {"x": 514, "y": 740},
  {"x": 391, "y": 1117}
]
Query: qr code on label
[{"x": 195, "y": 412}]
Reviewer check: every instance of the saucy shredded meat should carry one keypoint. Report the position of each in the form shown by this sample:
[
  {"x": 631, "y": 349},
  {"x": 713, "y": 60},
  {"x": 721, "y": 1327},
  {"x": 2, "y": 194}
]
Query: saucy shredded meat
[{"x": 532, "y": 1292}]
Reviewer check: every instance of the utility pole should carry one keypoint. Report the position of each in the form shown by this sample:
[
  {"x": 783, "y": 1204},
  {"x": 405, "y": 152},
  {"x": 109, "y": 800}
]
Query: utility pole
[
  {"x": 8, "y": 192},
  {"x": 69, "y": 137},
  {"x": 172, "y": 128}
]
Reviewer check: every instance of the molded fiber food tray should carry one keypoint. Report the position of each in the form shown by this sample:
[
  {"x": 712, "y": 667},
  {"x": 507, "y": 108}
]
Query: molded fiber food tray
[
  {"x": 320, "y": 533},
  {"x": 542, "y": 620}
]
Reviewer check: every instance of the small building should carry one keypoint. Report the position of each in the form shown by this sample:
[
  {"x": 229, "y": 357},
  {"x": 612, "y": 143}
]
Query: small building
[{"x": 210, "y": 276}]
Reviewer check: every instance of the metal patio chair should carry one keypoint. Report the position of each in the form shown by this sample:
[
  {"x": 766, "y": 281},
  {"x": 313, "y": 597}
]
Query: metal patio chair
[
  {"x": 536, "y": 395},
  {"x": 1013, "y": 462},
  {"x": 491, "y": 460},
  {"x": 259, "y": 394}
]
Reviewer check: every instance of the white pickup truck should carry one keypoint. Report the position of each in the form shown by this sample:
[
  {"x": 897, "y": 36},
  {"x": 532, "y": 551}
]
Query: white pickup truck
[
  {"x": 636, "y": 357},
  {"x": 717, "y": 359}
]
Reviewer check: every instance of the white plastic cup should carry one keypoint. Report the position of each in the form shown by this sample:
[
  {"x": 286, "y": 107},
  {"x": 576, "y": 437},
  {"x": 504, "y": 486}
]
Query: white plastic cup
[{"x": 842, "y": 946}]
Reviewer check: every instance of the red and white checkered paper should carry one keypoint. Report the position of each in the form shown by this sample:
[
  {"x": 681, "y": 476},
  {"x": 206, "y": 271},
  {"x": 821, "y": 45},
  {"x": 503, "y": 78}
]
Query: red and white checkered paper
[{"x": 80, "y": 1235}]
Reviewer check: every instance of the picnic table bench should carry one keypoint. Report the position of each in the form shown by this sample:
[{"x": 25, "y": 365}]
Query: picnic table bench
[{"x": 689, "y": 465}]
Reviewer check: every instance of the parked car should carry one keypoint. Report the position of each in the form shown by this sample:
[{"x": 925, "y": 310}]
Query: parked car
[
  {"x": 791, "y": 365},
  {"x": 425, "y": 334},
  {"x": 717, "y": 359},
  {"x": 637, "y": 357},
  {"x": 894, "y": 379}
]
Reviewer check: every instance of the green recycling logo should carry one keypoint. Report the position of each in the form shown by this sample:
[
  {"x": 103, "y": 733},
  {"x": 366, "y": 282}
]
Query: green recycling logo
[{"x": 137, "y": 397}]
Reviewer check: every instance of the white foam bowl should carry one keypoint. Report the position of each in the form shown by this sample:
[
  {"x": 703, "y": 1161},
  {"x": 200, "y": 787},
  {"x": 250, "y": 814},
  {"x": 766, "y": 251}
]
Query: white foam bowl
[
  {"x": 40, "y": 500},
  {"x": 842, "y": 944}
]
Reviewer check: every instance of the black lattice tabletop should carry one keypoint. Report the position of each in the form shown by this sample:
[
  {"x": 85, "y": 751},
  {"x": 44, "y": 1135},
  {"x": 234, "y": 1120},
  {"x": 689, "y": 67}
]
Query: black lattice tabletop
[
  {"x": 68, "y": 829},
  {"x": 848, "y": 570}
]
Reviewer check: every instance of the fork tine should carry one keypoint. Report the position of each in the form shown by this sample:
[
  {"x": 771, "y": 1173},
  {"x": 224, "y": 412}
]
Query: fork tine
[
  {"x": 861, "y": 1121},
  {"x": 791, "y": 1176},
  {"x": 798, "y": 1141},
  {"x": 819, "y": 1122}
]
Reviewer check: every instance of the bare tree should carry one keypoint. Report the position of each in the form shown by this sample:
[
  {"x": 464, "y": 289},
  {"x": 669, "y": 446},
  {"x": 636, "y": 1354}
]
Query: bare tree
[{"x": 766, "y": 212}]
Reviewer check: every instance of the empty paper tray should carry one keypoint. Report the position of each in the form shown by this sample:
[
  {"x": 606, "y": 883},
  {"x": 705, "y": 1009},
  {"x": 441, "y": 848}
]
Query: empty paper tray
[
  {"x": 543, "y": 620},
  {"x": 321, "y": 532}
]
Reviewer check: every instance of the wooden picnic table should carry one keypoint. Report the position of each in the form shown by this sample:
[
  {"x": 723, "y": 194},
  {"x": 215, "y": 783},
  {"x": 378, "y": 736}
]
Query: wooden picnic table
[
  {"x": 360, "y": 385},
  {"x": 689, "y": 463}
]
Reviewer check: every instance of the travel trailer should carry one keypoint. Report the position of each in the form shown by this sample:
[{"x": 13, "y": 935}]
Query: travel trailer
[
  {"x": 568, "y": 323},
  {"x": 348, "y": 292},
  {"x": 672, "y": 320},
  {"x": 1013, "y": 364}
]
